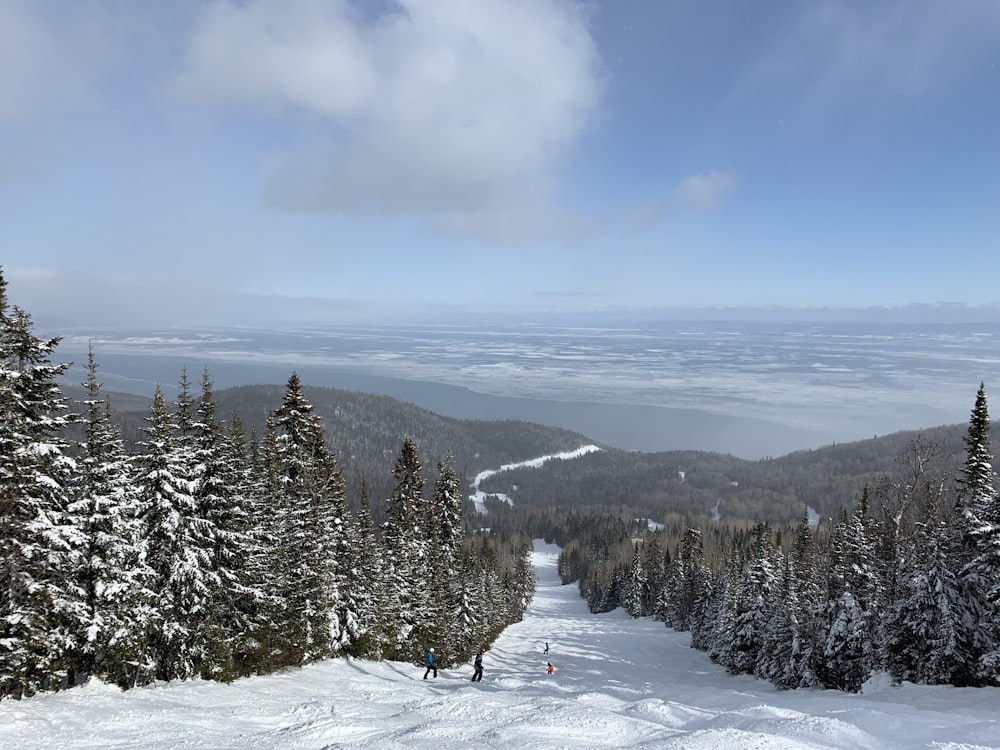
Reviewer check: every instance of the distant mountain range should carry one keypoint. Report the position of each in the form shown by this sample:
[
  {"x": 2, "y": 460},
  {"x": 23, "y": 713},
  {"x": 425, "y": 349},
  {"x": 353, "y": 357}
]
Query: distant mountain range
[{"x": 366, "y": 431}]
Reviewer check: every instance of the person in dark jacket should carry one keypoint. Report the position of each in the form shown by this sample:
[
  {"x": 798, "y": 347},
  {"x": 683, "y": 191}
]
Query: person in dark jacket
[
  {"x": 431, "y": 666},
  {"x": 477, "y": 675}
]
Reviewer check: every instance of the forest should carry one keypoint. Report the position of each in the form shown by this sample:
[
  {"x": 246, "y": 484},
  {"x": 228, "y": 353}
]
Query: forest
[
  {"x": 162, "y": 541},
  {"x": 907, "y": 582},
  {"x": 216, "y": 552}
]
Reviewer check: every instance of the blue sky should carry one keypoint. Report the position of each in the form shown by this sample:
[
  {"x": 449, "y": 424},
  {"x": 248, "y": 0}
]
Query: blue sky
[{"x": 394, "y": 157}]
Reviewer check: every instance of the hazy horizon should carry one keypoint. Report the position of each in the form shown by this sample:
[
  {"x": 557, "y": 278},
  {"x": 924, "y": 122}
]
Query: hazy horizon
[{"x": 751, "y": 389}]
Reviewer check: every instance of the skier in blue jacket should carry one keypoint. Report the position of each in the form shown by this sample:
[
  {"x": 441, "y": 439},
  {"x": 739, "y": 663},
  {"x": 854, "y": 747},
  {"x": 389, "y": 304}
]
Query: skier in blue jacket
[{"x": 431, "y": 666}]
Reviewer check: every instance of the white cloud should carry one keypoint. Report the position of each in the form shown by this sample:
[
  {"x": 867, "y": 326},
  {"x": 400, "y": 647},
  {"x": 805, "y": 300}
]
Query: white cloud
[
  {"x": 307, "y": 54},
  {"x": 447, "y": 108}
]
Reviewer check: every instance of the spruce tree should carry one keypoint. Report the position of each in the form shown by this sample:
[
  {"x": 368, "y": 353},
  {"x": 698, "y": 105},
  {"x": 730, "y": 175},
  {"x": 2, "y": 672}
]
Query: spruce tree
[
  {"x": 111, "y": 574},
  {"x": 923, "y": 640},
  {"x": 219, "y": 491},
  {"x": 635, "y": 590},
  {"x": 978, "y": 509},
  {"x": 367, "y": 585},
  {"x": 404, "y": 536},
  {"x": 804, "y": 602},
  {"x": 692, "y": 576},
  {"x": 177, "y": 544},
  {"x": 314, "y": 528},
  {"x": 751, "y": 614},
  {"x": 42, "y": 605},
  {"x": 849, "y": 623},
  {"x": 447, "y": 538},
  {"x": 780, "y": 657}
]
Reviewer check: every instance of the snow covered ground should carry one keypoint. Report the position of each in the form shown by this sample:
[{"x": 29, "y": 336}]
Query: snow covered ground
[{"x": 619, "y": 683}]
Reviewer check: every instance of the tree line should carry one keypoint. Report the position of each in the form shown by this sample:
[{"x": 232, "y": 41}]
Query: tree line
[
  {"x": 908, "y": 582},
  {"x": 216, "y": 551}
]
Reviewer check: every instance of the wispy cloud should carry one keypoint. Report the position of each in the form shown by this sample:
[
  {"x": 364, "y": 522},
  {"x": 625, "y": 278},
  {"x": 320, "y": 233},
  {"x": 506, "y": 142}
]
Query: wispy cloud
[
  {"x": 704, "y": 191},
  {"x": 701, "y": 192},
  {"x": 832, "y": 50}
]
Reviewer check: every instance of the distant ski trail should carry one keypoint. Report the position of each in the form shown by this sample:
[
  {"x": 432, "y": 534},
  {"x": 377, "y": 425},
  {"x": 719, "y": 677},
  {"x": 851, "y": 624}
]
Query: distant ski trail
[{"x": 478, "y": 497}]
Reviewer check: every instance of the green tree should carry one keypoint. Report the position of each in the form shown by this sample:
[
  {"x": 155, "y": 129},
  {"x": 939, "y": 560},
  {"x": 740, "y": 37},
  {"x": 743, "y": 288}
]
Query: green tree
[
  {"x": 311, "y": 493},
  {"x": 42, "y": 606}
]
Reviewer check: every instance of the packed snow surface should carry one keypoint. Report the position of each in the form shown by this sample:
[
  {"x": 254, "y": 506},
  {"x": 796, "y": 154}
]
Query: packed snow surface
[{"x": 619, "y": 683}]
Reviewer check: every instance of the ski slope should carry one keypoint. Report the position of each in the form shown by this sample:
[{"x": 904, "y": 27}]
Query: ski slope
[{"x": 619, "y": 683}]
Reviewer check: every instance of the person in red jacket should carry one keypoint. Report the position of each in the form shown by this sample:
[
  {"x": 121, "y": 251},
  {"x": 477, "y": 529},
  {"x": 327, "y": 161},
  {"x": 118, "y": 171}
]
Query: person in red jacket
[{"x": 550, "y": 669}]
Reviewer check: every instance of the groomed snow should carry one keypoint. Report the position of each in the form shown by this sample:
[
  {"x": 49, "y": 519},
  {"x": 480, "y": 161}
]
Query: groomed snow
[{"x": 619, "y": 683}]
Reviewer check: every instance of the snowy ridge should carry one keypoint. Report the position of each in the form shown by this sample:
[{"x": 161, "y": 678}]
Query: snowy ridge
[
  {"x": 619, "y": 683},
  {"x": 478, "y": 497}
]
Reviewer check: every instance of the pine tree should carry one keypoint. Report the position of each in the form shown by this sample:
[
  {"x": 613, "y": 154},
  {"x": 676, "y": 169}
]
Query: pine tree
[
  {"x": 847, "y": 652},
  {"x": 979, "y": 524},
  {"x": 177, "y": 544},
  {"x": 635, "y": 589},
  {"x": 367, "y": 585},
  {"x": 219, "y": 493},
  {"x": 692, "y": 576},
  {"x": 924, "y": 635},
  {"x": 105, "y": 511},
  {"x": 279, "y": 645},
  {"x": 42, "y": 605},
  {"x": 314, "y": 528},
  {"x": 849, "y": 623},
  {"x": 249, "y": 558},
  {"x": 780, "y": 657},
  {"x": 446, "y": 575},
  {"x": 751, "y": 615},
  {"x": 655, "y": 563},
  {"x": 404, "y": 536},
  {"x": 804, "y": 603}
]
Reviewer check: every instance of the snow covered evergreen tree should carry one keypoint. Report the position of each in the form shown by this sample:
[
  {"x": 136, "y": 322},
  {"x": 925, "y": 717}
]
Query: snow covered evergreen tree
[
  {"x": 221, "y": 490},
  {"x": 312, "y": 536},
  {"x": 105, "y": 511},
  {"x": 978, "y": 511},
  {"x": 177, "y": 543},
  {"x": 655, "y": 562},
  {"x": 367, "y": 585},
  {"x": 804, "y": 604},
  {"x": 690, "y": 582},
  {"x": 751, "y": 614},
  {"x": 635, "y": 590},
  {"x": 849, "y": 624},
  {"x": 447, "y": 575},
  {"x": 42, "y": 605},
  {"x": 780, "y": 655},
  {"x": 923, "y": 638},
  {"x": 404, "y": 537}
]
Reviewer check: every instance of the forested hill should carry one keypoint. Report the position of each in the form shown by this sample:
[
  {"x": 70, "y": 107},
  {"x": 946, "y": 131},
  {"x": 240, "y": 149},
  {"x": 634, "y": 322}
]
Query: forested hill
[
  {"x": 713, "y": 485},
  {"x": 366, "y": 430}
]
